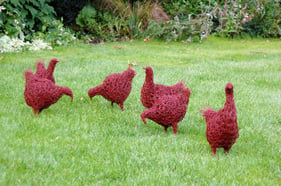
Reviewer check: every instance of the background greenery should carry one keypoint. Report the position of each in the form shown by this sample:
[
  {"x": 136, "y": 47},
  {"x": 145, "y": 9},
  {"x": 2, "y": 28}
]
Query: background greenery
[
  {"x": 84, "y": 143},
  {"x": 57, "y": 21}
]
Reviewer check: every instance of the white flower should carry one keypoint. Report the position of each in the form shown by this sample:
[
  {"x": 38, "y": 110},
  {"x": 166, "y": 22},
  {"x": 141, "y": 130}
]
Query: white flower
[
  {"x": 39, "y": 44},
  {"x": 2, "y": 8},
  {"x": 15, "y": 44},
  {"x": 59, "y": 42}
]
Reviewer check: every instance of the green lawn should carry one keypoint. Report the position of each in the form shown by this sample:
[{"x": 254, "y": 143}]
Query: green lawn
[{"x": 85, "y": 143}]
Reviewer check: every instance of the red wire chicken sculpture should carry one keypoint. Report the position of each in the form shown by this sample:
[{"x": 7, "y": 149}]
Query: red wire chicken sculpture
[
  {"x": 40, "y": 93},
  {"x": 168, "y": 110},
  {"x": 222, "y": 128},
  {"x": 150, "y": 92},
  {"x": 116, "y": 87},
  {"x": 42, "y": 72}
]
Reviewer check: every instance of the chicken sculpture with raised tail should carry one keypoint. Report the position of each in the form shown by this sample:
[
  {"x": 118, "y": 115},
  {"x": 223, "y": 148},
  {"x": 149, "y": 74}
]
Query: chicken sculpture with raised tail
[
  {"x": 40, "y": 93},
  {"x": 150, "y": 92},
  {"x": 115, "y": 88},
  {"x": 222, "y": 128},
  {"x": 168, "y": 110},
  {"x": 42, "y": 72}
]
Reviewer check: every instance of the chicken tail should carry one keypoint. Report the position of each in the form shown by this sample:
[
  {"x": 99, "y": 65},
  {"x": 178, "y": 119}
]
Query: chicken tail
[
  {"x": 40, "y": 64},
  {"x": 184, "y": 96},
  {"x": 28, "y": 74},
  {"x": 207, "y": 112}
]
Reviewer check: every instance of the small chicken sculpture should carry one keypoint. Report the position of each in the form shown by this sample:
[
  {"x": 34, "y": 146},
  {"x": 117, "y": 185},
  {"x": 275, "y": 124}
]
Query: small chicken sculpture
[
  {"x": 40, "y": 93},
  {"x": 42, "y": 72},
  {"x": 116, "y": 87},
  {"x": 168, "y": 110},
  {"x": 222, "y": 128},
  {"x": 150, "y": 92}
]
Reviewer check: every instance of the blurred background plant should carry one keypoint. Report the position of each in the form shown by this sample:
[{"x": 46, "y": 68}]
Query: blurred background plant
[
  {"x": 8, "y": 44},
  {"x": 21, "y": 18},
  {"x": 118, "y": 19},
  {"x": 26, "y": 21},
  {"x": 59, "y": 22},
  {"x": 265, "y": 19}
]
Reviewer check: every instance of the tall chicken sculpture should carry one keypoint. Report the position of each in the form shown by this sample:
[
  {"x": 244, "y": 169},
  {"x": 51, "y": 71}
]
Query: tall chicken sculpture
[{"x": 222, "y": 129}]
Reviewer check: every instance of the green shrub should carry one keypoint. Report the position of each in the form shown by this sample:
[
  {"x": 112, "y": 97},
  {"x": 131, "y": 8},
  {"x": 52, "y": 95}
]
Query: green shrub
[
  {"x": 154, "y": 30},
  {"x": 31, "y": 20},
  {"x": 21, "y": 18},
  {"x": 56, "y": 34},
  {"x": 231, "y": 18},
  {"x": 105, "y": 25},
  {"x": 266, "y": 21},
  {"x": 87, "y": 17},
  {"x": 183, "y": 8}
]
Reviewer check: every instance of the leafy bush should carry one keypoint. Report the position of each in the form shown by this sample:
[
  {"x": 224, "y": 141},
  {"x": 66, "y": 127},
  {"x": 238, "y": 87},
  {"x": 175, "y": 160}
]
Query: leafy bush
[
  {"x": 31, "y": 19},
  {"x": 57, "y": 34},
  {"x": 183, "y": 8},
  {"x": 115, "y": 19},
  {"x": 87, "y": 17},
  {"x": 184, "y": 27},
  {"x": 231, "y": 18},
  {"x": 21, "y": 18},
  {"x": 154, "y": 30},
  {"x": 91, "y": 21},
  {"x": 266, "y": 21}
]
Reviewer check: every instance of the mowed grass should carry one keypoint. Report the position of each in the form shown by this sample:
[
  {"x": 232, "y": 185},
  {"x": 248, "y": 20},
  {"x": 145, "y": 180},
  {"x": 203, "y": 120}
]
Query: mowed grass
[{"x": 92, "y": 143}]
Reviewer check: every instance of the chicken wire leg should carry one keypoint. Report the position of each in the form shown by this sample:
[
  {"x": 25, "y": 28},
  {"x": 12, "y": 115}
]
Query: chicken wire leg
[
  {"x": 121, "y": 106},
  {"x": 35, "y": 112},
  {"x": 214, "y": 150},
  {"x": 175, "y": 128}
]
